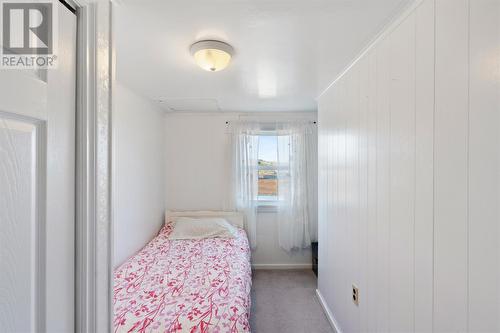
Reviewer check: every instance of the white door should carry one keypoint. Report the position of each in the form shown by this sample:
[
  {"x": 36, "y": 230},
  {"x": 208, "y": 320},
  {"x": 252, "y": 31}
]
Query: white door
[{"x": 37, "y": 192}]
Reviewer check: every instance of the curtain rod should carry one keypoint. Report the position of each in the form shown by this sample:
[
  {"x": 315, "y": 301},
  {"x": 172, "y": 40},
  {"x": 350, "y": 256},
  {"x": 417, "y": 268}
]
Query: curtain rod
[{"x": 275, "y": 121}]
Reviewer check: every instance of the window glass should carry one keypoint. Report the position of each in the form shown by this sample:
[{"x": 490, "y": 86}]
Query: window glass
[{"x": 268, "y": 162}]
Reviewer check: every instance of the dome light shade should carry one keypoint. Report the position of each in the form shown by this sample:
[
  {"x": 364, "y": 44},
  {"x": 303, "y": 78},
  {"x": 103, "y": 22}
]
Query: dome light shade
[{"x": 212, "y": 55}]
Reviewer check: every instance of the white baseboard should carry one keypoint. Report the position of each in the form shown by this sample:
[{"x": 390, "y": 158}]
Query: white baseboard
[
  {"x": 328, "y": 313},
  {"x": 282, "y": 266}
]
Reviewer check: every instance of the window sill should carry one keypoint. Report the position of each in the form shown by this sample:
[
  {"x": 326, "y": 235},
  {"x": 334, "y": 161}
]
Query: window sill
[{"x": 267, "y": 207}]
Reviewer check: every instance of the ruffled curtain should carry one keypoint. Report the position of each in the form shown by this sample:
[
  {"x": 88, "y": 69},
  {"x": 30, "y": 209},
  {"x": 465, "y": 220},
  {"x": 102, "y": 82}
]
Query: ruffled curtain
[
  {"x": 245, "y": 150},
  {"x": 297, "y": 198}
]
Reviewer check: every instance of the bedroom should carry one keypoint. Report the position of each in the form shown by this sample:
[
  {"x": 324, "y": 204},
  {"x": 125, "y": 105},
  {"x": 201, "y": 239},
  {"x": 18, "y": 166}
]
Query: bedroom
[{"x": 251, "y": 166}]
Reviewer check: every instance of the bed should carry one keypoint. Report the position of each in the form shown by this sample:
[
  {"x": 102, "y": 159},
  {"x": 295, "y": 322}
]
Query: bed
[{"x": 186, "y": 285}]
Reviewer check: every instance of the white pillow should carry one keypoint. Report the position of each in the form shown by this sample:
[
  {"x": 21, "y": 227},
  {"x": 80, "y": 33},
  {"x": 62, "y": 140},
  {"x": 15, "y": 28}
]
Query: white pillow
[{"x": 200, "y": 228}]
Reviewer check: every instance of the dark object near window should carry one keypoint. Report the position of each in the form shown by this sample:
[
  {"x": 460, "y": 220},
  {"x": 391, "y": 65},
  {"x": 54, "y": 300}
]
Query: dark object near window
[{"x": 314, "y": 250}]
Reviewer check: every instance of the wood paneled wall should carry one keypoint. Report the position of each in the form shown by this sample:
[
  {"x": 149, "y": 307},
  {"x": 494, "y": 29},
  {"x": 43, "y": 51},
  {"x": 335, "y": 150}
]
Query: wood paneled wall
[{"x": 409, "y": 176}]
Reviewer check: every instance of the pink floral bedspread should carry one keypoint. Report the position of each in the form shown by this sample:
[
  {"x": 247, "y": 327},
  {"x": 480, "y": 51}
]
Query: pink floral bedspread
[{"x": 185, "y": 286}]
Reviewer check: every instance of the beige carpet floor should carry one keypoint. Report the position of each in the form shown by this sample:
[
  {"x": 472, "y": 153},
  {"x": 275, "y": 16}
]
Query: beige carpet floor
[{"x": 284, "y": 301}]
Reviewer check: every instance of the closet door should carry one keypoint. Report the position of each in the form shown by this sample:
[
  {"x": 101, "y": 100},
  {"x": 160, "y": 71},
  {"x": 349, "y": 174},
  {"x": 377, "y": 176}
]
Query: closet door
[{"x": 37, "y": 191}]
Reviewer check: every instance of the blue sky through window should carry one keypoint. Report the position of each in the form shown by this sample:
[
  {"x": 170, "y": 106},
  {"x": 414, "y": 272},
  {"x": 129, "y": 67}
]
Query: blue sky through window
[{"x": 268, "y": 148}]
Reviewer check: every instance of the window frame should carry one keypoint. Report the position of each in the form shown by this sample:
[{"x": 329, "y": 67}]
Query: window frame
[{"x": 269, "y": 205}]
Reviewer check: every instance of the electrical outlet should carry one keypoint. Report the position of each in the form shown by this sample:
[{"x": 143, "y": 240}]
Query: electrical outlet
[{"x": 355, "y": 294}]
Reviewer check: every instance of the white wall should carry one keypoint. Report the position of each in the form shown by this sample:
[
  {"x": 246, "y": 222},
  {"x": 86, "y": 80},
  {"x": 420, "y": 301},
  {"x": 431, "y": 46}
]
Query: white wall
[
  {"x": 198, "y": 173},
  {"x": 139, "y": 172},
  {"x": 409, "y": 176}
]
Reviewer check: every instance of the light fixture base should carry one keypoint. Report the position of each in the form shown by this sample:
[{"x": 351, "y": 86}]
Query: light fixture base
[{"x": 212, "y": 55}]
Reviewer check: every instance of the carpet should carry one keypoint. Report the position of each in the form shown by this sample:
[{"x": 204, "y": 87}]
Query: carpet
[{"x": 285, "y": 301}]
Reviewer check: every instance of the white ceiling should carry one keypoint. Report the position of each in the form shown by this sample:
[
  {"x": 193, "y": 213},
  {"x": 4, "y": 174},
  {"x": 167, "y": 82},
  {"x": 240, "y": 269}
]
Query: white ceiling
[{"x": 286, "y": 51}]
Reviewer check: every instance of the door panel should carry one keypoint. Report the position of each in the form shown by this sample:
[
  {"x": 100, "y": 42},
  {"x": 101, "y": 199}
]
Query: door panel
[
  {"x": 37, "y": 192},
  {"x": 22, "y": 145}
]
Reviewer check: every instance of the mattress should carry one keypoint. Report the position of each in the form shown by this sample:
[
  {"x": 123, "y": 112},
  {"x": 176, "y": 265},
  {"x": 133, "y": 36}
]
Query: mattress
[{"x": 185, "y": 286}]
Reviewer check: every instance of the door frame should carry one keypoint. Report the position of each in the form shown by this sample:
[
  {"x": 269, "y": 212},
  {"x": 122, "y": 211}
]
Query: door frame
[{"x": 93, "y": 232}]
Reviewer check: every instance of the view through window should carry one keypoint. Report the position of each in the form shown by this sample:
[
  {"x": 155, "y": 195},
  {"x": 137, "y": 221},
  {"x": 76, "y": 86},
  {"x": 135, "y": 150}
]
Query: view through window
[{"x": 269, "y": 167}]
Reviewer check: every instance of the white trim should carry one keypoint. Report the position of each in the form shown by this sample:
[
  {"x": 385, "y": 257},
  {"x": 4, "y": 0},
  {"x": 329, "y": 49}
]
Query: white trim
[
  {"x": 211, "y": 44},
  {"x": 281, "y": 266},
  {"x": 266, "y": 207},
  {"x": 389, "y": 27},
  {"x": 93, "y": 306},
  {"x": 328, "y": 313},
  {"x": 84, "y": 284},
  {"x": 279, "y": 115}
]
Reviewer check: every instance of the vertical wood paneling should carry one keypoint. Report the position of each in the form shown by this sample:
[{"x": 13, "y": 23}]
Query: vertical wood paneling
[
  {"x": 402, "y": 174},
  {"x": 424, "y": 202},
  {"x": 450, "y": 166},
  {"x": 383, "y": 186},
  {"x": 362, "y": 273},
  {"x": 323, "y": 126},
  {"x": 350, "y": 190},
  {"x": 324, "y": 179},
  {"x": 484, "y": 167},
  {"x": 413, "y": 176},
  {"x": 339, "y": 204},
  {"x": 353, "y": 189},
  {"x": 332, "y": 249},
  {"x": 327, "y": 282},
  {"x": 333, "y": 201},
  {"x": 372, "y": 300}
]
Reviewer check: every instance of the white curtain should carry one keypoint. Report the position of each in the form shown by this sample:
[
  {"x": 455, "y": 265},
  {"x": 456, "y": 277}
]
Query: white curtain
[
  {"x": 297, "y": 198},
  {"x": 245, "y": 149}
]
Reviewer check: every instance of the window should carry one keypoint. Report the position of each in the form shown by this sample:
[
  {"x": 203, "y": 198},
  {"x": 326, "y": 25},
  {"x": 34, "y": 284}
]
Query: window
[
  {"x": 273, "y": 163},
  {"x": 268, "y": 162}
]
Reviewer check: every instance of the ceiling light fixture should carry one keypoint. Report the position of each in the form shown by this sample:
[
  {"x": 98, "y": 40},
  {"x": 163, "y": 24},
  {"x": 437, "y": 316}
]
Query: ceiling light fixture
[{"x": 212, "y": 55}]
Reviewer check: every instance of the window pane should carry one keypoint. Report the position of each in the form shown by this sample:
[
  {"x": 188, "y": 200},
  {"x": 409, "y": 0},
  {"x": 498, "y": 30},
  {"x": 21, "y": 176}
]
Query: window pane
[
  {"x": 268, "y": 181},
  {"x": 268, "y": 148}
]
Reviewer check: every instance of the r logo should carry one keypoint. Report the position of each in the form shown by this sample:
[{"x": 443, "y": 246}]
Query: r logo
[{"x": 27, "y": 28}]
